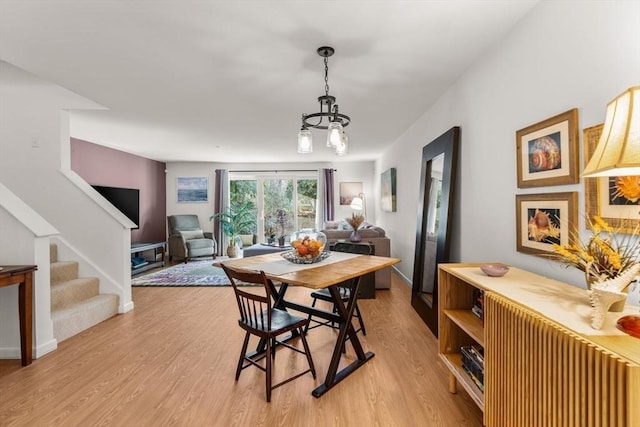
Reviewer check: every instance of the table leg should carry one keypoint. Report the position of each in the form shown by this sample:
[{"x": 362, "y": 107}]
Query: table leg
[
  {"x": 25, "y": 312},
  {"x": 346, "y": 329}
]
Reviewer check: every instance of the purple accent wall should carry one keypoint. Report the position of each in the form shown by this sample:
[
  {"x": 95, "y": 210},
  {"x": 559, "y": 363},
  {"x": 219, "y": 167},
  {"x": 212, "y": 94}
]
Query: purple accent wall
[{"x": 99, "y": 165}]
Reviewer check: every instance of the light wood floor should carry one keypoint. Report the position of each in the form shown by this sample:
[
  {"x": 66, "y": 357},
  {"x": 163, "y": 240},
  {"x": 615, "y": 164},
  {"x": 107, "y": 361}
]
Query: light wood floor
[{"x": 171, "y": 361}]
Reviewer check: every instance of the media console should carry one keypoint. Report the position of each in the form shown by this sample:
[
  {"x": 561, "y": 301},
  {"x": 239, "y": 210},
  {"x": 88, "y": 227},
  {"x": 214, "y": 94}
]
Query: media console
[{"x": 140, "y": 262}]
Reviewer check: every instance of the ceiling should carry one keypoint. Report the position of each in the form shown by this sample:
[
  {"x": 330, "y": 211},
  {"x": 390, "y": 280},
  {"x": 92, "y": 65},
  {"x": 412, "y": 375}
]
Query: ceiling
[{"x": 227, "y": 81}]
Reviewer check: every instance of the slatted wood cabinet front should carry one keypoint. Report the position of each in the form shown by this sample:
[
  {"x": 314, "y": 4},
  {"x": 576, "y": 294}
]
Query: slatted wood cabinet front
[{"x": 543, "y": 365}]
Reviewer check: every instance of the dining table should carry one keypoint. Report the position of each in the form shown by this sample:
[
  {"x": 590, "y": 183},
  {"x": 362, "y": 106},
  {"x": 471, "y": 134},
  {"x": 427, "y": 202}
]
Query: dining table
[{"x": 334, "y": 269}]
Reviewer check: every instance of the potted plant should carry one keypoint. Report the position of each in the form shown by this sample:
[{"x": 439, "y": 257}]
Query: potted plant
[
  {"x": 282, "y": 216},
  {"x": 234, "y": 220}
]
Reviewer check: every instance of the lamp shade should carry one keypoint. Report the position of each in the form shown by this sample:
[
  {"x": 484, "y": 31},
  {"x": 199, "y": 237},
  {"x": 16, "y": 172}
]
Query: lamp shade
[
  {"x": 334, "y": 135},
  {"x": 343, "y": 147},
  {"x": 618, "y": 151},
  {"x": 356, "y": 204},
  {"x": 305, "y": 141}
]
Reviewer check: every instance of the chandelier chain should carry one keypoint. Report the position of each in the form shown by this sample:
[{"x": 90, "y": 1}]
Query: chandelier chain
[{"x": 326, "y": 76}]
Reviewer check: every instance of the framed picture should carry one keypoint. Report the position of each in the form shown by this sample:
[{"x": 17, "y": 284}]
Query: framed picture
[
  {"x": 388, "y": 190},
  {"x": 192, "y": 189},
  {"x": 547, "y": 152},
  {"x": 349, "y": 190},
  {"x": 616, "y": 199},
  {"x": 545, "y": 219}
]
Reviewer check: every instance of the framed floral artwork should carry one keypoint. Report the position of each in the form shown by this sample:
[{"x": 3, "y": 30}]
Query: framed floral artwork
[
  {"x": 547, "y": 152},
  {"x": 545, "y": 219},
  {"x": 616, "y": 199}
]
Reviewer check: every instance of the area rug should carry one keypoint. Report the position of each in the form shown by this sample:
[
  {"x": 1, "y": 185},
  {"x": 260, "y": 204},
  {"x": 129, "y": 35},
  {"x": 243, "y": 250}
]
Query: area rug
[{"x": 194, "y": 273}]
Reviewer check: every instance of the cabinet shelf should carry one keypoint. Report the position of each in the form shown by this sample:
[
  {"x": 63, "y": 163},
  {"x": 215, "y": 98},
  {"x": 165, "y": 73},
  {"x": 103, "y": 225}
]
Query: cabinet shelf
[
  {"x": 468, "y": 322},
  {"x": 454, "y": 363},
  {"x": 152, "y": 261}
]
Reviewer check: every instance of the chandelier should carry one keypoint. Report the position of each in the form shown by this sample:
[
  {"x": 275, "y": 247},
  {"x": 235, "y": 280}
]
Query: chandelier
[{"x": 328, "y": 118}]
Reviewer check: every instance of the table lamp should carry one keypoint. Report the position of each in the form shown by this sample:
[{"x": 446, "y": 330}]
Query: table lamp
[{"x": 359, "y": 203}]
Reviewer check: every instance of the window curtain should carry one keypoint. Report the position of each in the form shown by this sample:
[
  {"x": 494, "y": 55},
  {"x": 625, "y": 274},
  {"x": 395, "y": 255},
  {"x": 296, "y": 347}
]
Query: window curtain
[
  {"x": 324, "y": 201},
  {"x": 221, "y": 203}
]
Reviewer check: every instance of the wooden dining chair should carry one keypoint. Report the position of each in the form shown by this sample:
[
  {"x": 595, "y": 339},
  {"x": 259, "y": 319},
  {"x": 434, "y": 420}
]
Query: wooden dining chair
[
  {"x": 325, "y": 295},
  {"x": 259, "y": 318},
  {"x": 344, "y": 288}
]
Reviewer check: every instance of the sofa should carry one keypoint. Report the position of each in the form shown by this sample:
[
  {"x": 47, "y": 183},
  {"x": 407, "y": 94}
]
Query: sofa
[{"x": 341, "y": 230}]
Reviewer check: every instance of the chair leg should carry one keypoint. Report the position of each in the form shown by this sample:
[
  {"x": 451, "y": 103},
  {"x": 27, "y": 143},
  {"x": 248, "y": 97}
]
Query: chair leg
[
  {"x": 242, "y": 355},
  {"x": 306, "y": 328},
  {"x": 307, "y": 353},
  {"x": 268, "y": 370},
  {"x": 364, "y": 331}
]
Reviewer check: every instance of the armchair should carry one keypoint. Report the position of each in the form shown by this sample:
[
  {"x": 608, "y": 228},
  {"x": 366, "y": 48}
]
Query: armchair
[{"x": 187, "y": 240}]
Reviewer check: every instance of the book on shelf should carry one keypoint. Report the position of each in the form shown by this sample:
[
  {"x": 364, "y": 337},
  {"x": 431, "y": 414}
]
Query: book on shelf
[
  {"x": 473, "y": 363},
  {"x": 478, "y": 354},
  {"x": 475, "y": 380},
  {"x": 478, "y": 303}
]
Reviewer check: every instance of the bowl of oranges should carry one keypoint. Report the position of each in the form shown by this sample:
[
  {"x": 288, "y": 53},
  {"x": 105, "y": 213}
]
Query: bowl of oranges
[{"x": 306, "y": 250}]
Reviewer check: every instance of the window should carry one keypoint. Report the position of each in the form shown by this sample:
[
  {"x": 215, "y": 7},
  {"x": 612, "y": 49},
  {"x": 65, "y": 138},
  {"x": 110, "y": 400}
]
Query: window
[{"x": 284, "y": 204}]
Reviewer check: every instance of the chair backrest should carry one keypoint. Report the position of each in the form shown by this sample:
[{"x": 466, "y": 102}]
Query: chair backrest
[
  {"x": 178, "y": 223},
  {"x": 255, "y": 309}
]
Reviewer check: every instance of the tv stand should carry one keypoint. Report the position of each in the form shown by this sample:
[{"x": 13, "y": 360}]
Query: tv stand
[{"x": 150, "y": 262}]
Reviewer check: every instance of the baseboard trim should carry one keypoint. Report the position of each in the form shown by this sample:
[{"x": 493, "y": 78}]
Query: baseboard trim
[{"x": 39, "y": 351}]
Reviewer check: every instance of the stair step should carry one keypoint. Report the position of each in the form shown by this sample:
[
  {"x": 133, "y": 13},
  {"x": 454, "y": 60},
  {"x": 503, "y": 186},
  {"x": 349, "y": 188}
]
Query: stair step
[
  {"x": 73, "y": 291},
  {"x": 74, "y": 319},
  {"x": 63, "y": 271}
]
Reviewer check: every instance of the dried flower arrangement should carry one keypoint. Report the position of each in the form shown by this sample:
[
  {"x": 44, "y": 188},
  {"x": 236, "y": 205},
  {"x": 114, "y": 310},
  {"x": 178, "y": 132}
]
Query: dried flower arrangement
[{"x": 356, "y": 220}]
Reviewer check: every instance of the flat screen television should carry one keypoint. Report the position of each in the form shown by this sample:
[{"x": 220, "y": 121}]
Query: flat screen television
[{"x": 126, "y": 200}]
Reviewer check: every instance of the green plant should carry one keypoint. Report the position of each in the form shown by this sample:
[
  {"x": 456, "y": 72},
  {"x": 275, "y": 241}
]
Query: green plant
[{"x": 235, "y": 219}]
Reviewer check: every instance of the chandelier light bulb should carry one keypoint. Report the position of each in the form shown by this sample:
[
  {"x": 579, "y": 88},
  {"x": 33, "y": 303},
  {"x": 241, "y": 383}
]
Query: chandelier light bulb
[
  {"x": 341, "y": 149},
  {"x": 334, "y": 135},
  {"x": 305, "y": 141}
]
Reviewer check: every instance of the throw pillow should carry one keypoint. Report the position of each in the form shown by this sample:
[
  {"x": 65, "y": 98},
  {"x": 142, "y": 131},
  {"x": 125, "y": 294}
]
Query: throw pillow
[
  {"x": 192, "y": 234},
  {"x": 247, "y": 240},
  {"x": 331, "y": 225}
]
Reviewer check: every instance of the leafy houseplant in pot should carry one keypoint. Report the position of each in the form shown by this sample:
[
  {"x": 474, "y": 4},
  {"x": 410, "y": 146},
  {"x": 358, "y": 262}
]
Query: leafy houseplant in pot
[{"x": 234, "y": 220}]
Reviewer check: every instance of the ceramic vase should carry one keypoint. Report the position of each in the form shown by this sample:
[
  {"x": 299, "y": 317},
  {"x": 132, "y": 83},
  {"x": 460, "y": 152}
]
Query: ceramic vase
[
  {"x": 618, "y": 284},
  {"x": 232, "y": 251},
  {"x": 355, "y": 236}
]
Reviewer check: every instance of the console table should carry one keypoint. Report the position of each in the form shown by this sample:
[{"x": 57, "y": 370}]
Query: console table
[
  {"x": 22, "y": 275},
  {"x": 149, "y": 263},
  {"x": 543, "y": 364}
]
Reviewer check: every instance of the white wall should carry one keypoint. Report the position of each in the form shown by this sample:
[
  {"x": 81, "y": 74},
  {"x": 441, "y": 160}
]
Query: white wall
[
  {"x": 345, "y": 172},
  {"x": 563, "y": 55},
  {"x": 34, "y": 152}
]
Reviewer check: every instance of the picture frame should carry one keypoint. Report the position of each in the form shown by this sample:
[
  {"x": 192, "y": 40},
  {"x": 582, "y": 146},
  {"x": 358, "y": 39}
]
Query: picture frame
[
  {"x": 606, "y": 197},
  {"x": 194, "y": 189},
  {"x": 349, "y": 190},
  {"x": 545, "y": 219},
  {"x": 388, "y": 190},
  {"x": 547, "y": 152}
]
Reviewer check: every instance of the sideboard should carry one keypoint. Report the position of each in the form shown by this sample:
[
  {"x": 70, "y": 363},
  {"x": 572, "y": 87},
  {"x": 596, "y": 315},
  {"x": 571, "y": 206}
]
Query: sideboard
[{"x": 543, "y": 363}]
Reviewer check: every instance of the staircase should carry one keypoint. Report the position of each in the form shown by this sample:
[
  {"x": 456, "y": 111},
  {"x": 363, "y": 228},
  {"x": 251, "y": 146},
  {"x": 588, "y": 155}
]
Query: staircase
[{"x": 76, "y": 302}]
